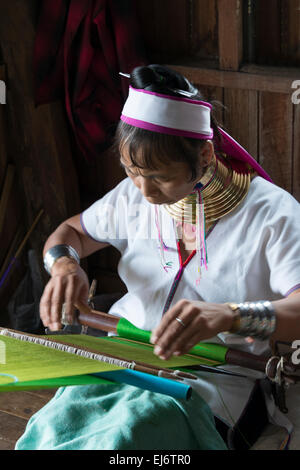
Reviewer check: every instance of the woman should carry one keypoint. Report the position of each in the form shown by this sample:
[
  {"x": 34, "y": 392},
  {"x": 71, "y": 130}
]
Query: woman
[{"x": 201, "y": 230}]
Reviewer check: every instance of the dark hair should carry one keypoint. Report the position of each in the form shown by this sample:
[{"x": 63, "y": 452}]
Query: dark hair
[{"x": 160, "y": 79}]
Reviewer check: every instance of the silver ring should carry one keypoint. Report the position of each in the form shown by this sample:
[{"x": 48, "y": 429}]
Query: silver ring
[{"x": 180, "y": 321}]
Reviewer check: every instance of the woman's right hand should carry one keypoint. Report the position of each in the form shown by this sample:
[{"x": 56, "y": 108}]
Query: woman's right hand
[{"x": 68, "y": 284}]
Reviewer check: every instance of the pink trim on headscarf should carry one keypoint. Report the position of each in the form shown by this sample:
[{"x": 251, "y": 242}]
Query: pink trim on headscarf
[
  {"x": 233, "y": 149},
  {"x": 165, "y": 130}
]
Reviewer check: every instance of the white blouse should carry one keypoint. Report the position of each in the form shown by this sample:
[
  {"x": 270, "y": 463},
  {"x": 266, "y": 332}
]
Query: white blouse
[{"x": 253, "y": 254}]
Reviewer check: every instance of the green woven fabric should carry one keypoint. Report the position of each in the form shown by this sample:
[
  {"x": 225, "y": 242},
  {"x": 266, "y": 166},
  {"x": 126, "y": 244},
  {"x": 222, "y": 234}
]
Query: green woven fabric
[
  {"x": 27, "y": 365},
  {"x": 120, "y": 417},
  {"x": 27, "y": 362}
]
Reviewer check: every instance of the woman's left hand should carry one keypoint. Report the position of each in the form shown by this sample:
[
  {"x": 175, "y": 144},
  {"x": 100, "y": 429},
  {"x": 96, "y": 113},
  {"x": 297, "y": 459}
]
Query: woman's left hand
[{"x": 187, "y": 323}]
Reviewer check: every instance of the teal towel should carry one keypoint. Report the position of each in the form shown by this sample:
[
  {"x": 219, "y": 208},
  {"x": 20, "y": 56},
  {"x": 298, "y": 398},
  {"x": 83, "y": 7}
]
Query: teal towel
[{"x": 120, "y": 417}]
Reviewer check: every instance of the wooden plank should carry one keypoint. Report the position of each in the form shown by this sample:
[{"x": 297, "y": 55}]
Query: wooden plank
[
  {"x": 283, "y": 32},
  {"x": 230, "y": 27},
  {"x": 15, "y": 410},
  {"x": 11, "y": 429},
  {"x": 290, "y": 33},
  {"x": 166, "y": 27},
  {"x": 46, "y": 394},
  {"x": 3, "y": 132},
  {"x": 275, "y": 139},
  {"x": 67, "y": 179},
  {"x": 13, "y": 246},
  {"x": 6, "y": 445},
  {"x": 38, "y": 137},
  {"x": 6, "y": 192},
  {"x": 271, "y": 71},
  {"x": 10, "y": 220},
  {"x": 293, "y": 33},
  {"x": 22, "y": 404},
  {"x": 241, "y": 117},
  {"x": 3, "y": 154},
  {"x": 259, "y": 81},
  {"x": 268, "y": 29},
  {"x": 296, "y": 153},
  {"x": 204, "y": 29},
  {"x": 13, "y": 225},
  {"x": 249, "y": 31}
]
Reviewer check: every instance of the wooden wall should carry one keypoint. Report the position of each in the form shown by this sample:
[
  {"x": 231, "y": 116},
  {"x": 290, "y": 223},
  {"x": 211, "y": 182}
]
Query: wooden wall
[
  {"x": 204, "y": 29},
  {"x": 34, "y": 147},
  {"x": 211, "y": 42},
  {"x": 243, "y": 57}
]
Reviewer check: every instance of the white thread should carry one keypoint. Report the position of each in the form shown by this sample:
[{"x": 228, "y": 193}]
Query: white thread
[{"x": 68, "y": 349}]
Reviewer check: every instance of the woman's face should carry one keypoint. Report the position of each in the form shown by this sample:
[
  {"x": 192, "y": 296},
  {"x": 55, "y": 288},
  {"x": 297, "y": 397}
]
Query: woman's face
[{"x": 169, "y": 183}]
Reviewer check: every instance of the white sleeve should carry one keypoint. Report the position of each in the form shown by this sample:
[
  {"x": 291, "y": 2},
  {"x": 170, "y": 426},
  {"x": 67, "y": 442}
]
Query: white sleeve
[
  {"x": 283, "y": 245},
  {"x": 105, "y": 220}
]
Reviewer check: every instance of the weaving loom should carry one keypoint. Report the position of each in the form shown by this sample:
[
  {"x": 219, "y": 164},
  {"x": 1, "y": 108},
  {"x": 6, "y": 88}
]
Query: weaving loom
[{"x": 32, "y": 362}]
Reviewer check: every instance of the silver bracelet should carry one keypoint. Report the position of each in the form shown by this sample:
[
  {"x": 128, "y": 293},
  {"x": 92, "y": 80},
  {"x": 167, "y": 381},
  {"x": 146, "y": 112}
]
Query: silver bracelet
[
  {"x": 256, "y": 319},
  {"x": 56, "y": 252}
]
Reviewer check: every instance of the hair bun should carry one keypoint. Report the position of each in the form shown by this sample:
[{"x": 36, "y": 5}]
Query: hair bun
[
  {"x": 161, "y": 79},
  {"x": 143, "y": 77}
]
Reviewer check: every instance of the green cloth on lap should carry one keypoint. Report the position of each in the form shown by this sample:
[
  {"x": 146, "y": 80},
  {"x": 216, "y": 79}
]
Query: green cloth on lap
[{"x": 120, "y": 417}]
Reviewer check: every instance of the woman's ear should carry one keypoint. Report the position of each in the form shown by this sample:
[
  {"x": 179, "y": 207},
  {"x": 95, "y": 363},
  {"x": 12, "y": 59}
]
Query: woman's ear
[{"x": 207, "y": 153}]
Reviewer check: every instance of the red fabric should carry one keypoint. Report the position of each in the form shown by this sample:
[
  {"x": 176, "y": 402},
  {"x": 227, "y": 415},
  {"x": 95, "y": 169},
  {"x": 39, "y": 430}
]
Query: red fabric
[{"x": 80, "y": 48}]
